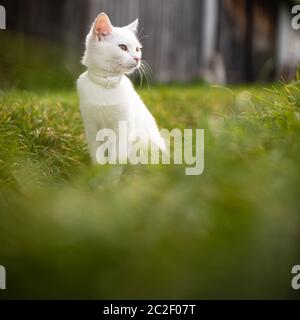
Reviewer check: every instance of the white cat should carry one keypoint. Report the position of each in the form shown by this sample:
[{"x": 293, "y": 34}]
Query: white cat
[{"x": 107, "y": 96}]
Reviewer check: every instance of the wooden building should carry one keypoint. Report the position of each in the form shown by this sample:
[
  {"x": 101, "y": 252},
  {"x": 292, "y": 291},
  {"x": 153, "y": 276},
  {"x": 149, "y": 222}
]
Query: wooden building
[{"x": 222, "y": 41}]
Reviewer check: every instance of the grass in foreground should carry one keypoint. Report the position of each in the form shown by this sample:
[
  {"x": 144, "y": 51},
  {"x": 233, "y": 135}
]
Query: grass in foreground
[{"x": 231, "y": 233}]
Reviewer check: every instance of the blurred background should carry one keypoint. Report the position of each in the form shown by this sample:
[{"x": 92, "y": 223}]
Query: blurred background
[
  {"x": 218, "y": 41},
  {"x": 232, "y": 232}
]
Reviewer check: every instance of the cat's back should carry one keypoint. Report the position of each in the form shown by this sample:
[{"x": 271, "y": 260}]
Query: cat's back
[
  {"x": 88, "y": 91},
  {"x": 82, "y": 81}
]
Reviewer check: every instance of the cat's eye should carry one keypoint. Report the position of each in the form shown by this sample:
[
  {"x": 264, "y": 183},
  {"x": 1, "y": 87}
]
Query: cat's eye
[
  {"x": 138, "y": 49},
  {"x": 123, "y": 47}
]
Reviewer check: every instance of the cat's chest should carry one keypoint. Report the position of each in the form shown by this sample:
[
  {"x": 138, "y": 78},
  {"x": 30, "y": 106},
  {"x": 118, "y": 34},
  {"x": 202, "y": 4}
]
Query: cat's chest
[
  {"x": 110, "y": 98},
  {"x": 107, "y": 113},
  {"x": 93, "y": 95},
  {"x": 108, "y": 105}
]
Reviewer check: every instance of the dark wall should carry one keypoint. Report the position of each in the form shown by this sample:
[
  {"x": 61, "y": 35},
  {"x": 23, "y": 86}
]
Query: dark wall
[
  {"x": 172, "y": 32},
  {"x": 247, "y": 39}
]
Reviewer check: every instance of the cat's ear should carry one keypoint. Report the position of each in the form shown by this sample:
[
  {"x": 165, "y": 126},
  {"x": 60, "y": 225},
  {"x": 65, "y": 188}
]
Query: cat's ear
[
  {"x": 133, "y": 26},
  {"x": 102, "y": 26}
]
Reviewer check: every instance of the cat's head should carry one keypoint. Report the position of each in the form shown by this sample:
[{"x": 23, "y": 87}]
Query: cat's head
[{"x": 113, "y": 50}]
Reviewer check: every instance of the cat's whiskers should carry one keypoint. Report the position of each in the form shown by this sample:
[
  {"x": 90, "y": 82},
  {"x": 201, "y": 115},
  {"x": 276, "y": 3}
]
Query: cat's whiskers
[
  {"x": 141, "y": 37},
  {"x": 140, "y": 32},
  {"x": 144, "y": 72},
  {"x": 147, "y": 71},
  {"x": 141, "y": 77}
]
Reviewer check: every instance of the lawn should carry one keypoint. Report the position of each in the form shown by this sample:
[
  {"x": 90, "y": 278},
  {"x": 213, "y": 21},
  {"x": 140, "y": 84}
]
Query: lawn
[{"x": 232, "y": 232}]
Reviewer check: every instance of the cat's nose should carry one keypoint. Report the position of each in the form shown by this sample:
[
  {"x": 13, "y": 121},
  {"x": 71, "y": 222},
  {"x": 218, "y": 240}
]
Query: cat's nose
[{"x": 137, "y": 59}]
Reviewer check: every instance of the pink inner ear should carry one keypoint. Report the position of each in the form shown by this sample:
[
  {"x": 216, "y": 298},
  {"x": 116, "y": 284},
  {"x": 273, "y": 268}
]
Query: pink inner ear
[{"x": 102, "y": 25}]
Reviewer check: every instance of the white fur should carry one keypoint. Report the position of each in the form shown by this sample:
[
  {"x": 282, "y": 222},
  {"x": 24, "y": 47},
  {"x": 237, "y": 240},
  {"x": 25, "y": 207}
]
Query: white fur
[{"x": 107, "y": 96}]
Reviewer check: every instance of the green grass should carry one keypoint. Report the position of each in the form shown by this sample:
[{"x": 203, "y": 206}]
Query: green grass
[
  {"x": 28, "y": 62},
  {"x": 232, "y": 232}
]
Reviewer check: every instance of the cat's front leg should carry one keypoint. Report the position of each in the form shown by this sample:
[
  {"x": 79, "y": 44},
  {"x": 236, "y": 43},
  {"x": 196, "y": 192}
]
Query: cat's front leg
[{"x": 91, "y": 129}]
